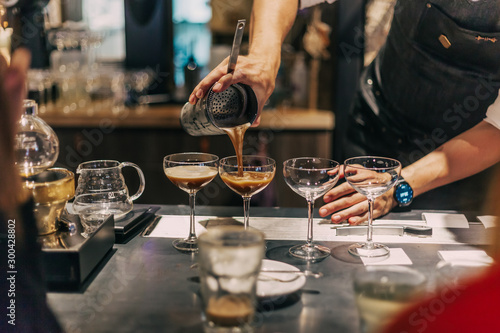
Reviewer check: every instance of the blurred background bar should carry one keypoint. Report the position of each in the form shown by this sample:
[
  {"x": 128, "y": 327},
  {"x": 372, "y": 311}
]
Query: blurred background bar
[{"x": 111, "y": 76}]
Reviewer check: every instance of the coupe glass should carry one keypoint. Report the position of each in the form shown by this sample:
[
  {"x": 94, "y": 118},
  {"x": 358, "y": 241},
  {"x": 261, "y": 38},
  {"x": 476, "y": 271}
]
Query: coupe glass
[
  {"x": 190, "y": 172},
  {"x": 371, "y": 176},
  {"x": 311, "y": 178},
  {"x": 249, "y": 177}
]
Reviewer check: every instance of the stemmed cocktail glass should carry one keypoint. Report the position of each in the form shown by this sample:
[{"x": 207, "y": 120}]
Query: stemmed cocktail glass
[
  {"x": 248, "y": 177},
  {"x": 371, "y": 176},
  {"x": 311, "y": 178},
  {"x": 190, "y": 172}
]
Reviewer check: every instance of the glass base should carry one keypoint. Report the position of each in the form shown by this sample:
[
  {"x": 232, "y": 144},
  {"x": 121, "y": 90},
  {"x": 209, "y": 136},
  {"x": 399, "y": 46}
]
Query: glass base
[
  {"x": 372, "y": 250},
  {"x": 187, "y": 245},
  {"x": 244, "y": 328},
  {"x": 309, "y": 252}
]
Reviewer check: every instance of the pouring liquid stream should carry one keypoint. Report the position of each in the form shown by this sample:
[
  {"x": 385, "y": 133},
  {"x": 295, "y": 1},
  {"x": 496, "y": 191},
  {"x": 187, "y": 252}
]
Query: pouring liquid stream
[{"x": 237, "y": 134}]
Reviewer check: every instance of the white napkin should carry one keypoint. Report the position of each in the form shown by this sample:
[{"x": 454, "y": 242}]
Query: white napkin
[
  {"x": 175, "y": 226},
  {"x": 487, "y": 220},
  {"x": 397, "y": 257},
  {"x": 471, "y": 255},
  {"x": 444, "y": 220}
]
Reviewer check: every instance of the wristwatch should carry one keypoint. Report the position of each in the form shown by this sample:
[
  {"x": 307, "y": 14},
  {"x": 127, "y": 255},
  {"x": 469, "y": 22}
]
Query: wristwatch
[{"x": 403, "y": 193}]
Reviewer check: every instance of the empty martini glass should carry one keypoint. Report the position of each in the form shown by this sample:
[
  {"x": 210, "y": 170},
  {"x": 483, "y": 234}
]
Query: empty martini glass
[
  {"x": 311, "y": 178},
  {"x": 371, "y": 176}
]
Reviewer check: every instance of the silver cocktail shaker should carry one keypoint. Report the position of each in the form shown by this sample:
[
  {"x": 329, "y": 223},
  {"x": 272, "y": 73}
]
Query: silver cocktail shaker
[{"x": 237, "y": 105}]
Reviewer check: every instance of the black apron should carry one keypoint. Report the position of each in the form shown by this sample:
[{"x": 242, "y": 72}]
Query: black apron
[{"x": 433, "y": 79}]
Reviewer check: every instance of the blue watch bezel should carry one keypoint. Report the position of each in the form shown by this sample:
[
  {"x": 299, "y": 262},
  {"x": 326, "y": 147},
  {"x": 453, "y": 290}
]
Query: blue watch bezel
[{"x": 403, "y": 194}]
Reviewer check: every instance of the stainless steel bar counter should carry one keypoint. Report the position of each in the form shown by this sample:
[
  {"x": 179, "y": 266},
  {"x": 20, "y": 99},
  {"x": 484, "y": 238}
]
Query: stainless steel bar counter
[{"x": 145, "y": 285}]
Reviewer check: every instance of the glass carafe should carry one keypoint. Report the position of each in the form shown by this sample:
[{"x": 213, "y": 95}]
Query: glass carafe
[{"x": 104, "y": 176}]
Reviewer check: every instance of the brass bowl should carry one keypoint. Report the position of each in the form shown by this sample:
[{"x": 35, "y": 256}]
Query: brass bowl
[{"x": 51, "y": 190}]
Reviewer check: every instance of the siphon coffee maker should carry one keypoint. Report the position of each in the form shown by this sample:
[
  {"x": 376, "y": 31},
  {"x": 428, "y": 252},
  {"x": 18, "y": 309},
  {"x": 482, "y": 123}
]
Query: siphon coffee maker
[
  {"x": 37, "y": 148},
  {"x": 68, "y": 255}
]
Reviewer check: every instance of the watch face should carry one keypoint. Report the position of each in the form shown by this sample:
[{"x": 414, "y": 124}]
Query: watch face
[{"x": 403, "y": 194}]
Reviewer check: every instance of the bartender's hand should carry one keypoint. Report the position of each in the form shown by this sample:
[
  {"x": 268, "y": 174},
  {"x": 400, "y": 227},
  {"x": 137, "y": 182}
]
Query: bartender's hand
[
  {"x": 346, "y": 204},
  {"x": 12, "y": 94},
  {"x": 256, "y": 71},
  {"x": 270, "y": 22}
]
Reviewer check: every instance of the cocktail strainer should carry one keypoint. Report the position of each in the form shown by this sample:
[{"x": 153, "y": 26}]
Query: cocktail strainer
[{"x": 237, "y": 105}]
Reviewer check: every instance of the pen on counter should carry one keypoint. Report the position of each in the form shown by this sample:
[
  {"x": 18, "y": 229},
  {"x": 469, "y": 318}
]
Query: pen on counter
[{"x": 147, "y": 231}]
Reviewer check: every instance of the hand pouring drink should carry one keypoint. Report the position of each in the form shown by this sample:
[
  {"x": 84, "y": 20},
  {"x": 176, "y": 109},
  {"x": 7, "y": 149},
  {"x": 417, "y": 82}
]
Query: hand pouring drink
[{"x": 233, "y": 107}]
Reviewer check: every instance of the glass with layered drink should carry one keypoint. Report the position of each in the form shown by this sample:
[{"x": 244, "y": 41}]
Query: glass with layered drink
[
  {"x": 247, "y": 176},
  {"x": 230, "y": 259},
  {"x": 190, "y": 172}
]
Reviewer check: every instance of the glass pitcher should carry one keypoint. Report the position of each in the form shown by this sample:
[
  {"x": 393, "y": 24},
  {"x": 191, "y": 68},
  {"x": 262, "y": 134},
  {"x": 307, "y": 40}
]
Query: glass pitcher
[{"x": 106, "y": 176}]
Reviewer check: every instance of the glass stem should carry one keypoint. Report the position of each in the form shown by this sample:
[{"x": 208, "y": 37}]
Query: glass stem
[
  {"x": 246, "y": 211},
  {"x": 310, "y": 213},
  {"x": 192, "y": 232},
  {"x": 369, "y": 242}
]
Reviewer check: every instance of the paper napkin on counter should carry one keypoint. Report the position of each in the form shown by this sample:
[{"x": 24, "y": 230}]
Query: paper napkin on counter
[
  {"x": 174, "y": 226},
  {"x": 487, "y": 220},
  {"x": 445, "y": 220},
  {"x": 397, "y": 257},
  {"x": 469, "y": 255}
]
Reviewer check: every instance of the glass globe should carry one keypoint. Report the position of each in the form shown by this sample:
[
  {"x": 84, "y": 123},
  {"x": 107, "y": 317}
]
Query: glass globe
[{"x": 36, "y": 143}]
